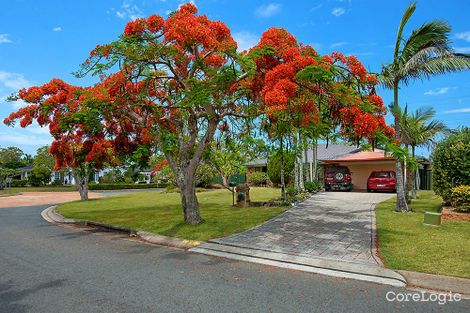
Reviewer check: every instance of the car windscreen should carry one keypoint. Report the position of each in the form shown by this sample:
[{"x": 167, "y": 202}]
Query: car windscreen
[{"x": 380, "y": 174}]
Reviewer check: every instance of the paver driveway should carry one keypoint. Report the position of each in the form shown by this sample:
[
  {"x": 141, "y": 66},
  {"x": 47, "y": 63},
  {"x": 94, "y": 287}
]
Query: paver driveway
[{"x": 334, "y": 225}]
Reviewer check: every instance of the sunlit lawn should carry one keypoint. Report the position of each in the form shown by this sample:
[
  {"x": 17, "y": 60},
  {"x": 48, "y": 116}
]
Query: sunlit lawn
[
  {"x": 405, "y": 243},
  {"x": 161, "y": 213}
]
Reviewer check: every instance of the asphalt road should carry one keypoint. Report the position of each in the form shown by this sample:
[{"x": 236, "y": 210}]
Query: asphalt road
[{"x": 48, "y": 268}]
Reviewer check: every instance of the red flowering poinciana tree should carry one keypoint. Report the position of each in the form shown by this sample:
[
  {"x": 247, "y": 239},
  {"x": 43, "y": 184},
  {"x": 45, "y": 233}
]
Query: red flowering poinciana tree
[
  {"x": 334, "y": 89},
  {"x": 178, "y": 80},
  {"x": 306, "y": 95},
  {"x": 76, "y": 146}
]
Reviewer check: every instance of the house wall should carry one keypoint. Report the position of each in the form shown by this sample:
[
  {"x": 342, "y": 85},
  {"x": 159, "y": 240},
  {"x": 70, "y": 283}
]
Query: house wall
[{"x": 360, "y": 171}]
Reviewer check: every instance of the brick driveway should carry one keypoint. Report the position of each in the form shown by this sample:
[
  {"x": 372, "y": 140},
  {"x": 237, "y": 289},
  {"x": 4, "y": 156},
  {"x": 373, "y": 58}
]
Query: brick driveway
[{"x": 332, "y": 225}]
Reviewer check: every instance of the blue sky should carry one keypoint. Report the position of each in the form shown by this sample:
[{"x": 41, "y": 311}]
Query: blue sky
[{"x": 40, "y": 40}]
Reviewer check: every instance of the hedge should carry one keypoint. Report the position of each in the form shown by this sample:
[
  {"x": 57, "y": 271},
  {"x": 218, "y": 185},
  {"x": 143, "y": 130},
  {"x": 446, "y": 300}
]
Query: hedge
[{"x": 123, "y": 186}]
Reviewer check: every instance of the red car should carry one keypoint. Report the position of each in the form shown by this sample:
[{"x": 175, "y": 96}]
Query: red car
[{"x": 382, "y": 180}]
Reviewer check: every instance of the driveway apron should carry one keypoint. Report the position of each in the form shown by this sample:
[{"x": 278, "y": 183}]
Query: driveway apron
[{"x": 330, "y": 225}]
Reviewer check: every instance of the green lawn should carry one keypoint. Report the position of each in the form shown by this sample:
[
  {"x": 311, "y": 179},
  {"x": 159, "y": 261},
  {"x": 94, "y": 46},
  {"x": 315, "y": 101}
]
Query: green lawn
[
  {"x": 405, "y": 243},
  {"x": 161, "y": 213},
  {"x": 7, "y": 191}
]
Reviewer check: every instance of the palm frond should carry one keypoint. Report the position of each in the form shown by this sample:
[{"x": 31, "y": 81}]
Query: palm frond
[
  {"x": 431, "y": 34},
  {"x": 404, "y": 20},
  {"x": 441, "y": 65}
]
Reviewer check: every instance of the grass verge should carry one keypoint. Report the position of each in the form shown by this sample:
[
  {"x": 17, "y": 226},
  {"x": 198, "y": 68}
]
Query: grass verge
[
  {"x": 161, "y": 213},
  {"x": 7, "y": 191},
  {"x": 405, "y": 243}
]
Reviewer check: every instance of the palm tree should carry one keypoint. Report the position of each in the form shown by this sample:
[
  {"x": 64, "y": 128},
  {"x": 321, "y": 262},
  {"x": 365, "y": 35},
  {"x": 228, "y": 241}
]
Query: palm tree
[
  {"x": 419, "y": 129},
  {"x": 425, "y": 53}
]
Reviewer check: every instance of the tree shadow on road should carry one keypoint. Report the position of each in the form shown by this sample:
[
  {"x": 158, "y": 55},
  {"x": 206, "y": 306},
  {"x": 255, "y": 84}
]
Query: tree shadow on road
[{"x": 10, "y": 298}]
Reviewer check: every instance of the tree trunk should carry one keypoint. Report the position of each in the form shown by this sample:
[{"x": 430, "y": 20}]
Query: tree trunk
[
  {"x": 402, "y": 205},
  {"x": 82, "y": 184},
  {"x": 413, "y": 176},
  {"x": 189, "y": 201},
  {"x": 315, "y": 159},
  {"x": 301, "y": 164},
  {"x": 283, "y": 183},
  {"x": 296, "y": 162}
]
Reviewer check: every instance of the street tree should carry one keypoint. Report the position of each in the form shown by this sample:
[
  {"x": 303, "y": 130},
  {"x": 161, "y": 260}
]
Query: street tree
[
  {"x": 77, "y": 145},
  {"x": 179, "y": 78}
]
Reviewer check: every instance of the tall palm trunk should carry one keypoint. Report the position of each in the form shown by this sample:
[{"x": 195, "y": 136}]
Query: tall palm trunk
[
  {"x": 402, "y": 205},
  {"x": 283, "y": 183},
  {"x": 301, "y": 164},
  {"x": 413, "y": 176}
]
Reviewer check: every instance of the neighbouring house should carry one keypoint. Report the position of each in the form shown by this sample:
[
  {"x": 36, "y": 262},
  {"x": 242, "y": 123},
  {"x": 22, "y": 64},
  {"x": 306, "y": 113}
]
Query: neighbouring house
[
  {"x": 360, "y": 163},
  {"x": 24, "y": 172}
]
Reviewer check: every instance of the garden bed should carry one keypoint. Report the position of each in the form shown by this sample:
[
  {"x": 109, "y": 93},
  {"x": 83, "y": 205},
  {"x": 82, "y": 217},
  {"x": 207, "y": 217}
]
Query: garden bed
[{"x": 449, "y": 214}]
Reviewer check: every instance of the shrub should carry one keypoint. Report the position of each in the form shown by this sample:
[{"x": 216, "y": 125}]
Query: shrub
[
  {"x": 257, "y": 179},
  {"x": 19, "y": 182},
  {"x": 274, "y": 166},
  {"x": 460, "y": 198},
  {"x": 123, "y": 186},
  {"x": 451, "y": 162},
  {"x": 312, "y": 186},
  {"x": 112, "y": 177},
  {"x": 205, "y": 173},
  {"x": 57, "y": 182},
  {"x": 291, "y": 191}
]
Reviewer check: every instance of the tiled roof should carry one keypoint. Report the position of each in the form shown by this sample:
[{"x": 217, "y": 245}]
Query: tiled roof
[
  {"x": 324, "y": 153},
  {"x": 332, "y": 151},
  {"x": 257, "y": 163},
  {"x": 376, "y": 155}
]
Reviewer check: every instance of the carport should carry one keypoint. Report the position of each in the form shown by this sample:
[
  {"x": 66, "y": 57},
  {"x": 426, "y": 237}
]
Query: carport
[{"x": 362, "y": 163}]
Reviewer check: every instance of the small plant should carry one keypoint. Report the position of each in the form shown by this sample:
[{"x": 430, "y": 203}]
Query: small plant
[
  {"x": 460, "y": 198},
  {"x": 313, "y": 186},
  {"x": 257, "y": 179},
  {"x": 291, "y": 192}
]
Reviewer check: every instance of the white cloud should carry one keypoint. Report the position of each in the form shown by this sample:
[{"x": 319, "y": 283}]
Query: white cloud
[
  {"x": 316, "y": 7},
  {"x": 120, "y": 14},
  {"x": 462, "y": 49},
  {"x": 338, "y": 44},
  {"x": 463, "y": 36},
  {"x": 357, "y": 54},
  {"x": 57, "y": 29},
  {"x": 462, "y": 110},
  {"x": 437, "y": 91},
  {"x": 245, "y": 40},
  {"x": 5, "y": 38},
  {"x": 19, "y": 139},
  {"x": 268, "y": 10},
  {"x": 338, "y": 11},
  {"x": 129, "y": 10},
  {"x": 36, "y": 129},
  {"x": 13, "y": 81}
]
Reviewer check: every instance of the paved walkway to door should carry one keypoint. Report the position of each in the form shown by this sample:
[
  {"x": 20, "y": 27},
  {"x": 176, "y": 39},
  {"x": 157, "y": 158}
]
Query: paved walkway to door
[{"x": 333, "y": 225}]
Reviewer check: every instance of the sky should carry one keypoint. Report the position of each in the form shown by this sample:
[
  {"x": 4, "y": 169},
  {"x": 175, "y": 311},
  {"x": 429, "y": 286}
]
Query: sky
[{"x": 40, "y": 40}]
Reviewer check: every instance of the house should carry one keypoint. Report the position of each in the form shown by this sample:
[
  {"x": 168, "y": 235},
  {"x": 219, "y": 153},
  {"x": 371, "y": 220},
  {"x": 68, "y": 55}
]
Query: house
[
  {"x": 360, "y": 163},
  {"x": 24, "y": 172}
]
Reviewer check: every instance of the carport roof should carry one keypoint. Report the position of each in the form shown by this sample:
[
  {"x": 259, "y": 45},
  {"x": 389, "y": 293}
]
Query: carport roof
[{"x": 376, "y": 155}]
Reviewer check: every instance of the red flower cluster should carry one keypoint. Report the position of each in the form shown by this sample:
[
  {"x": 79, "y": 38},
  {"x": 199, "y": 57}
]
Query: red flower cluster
[{"x": 277, "y": 83}]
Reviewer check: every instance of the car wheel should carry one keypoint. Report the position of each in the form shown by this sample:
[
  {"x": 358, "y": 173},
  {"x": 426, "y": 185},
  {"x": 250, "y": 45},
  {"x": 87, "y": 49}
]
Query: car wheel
[{"x": 368, "y": 190}]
